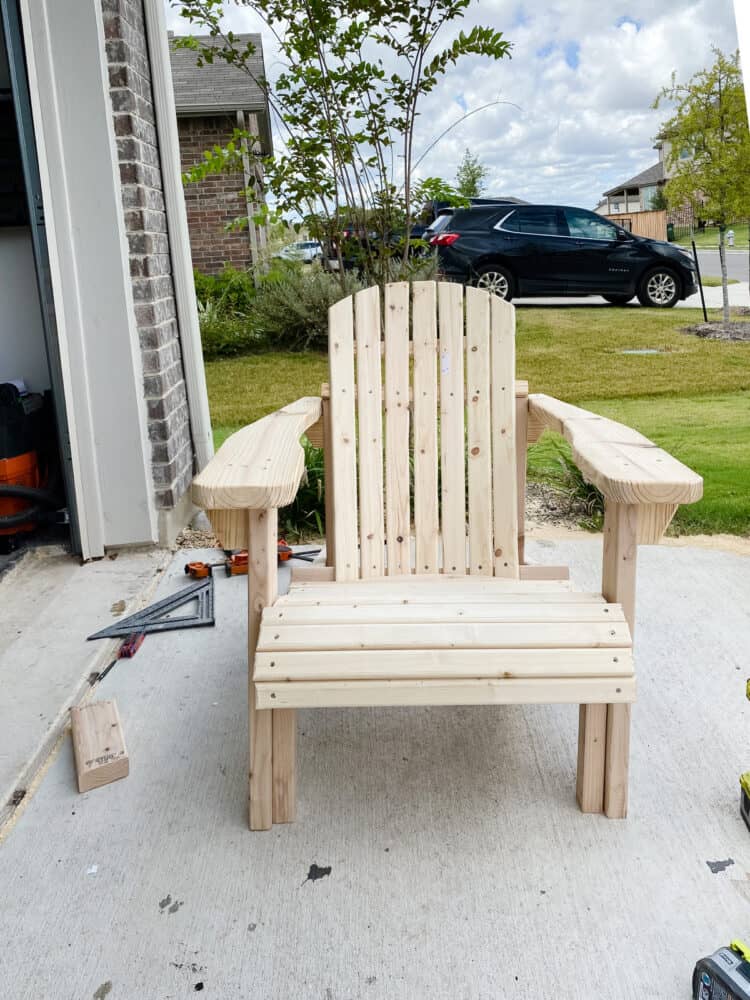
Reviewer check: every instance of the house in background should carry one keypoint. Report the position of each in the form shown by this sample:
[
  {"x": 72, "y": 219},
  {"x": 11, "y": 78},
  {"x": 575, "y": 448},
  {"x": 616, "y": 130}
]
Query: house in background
[
  {"x": 211, "y": 101},
  {"x": 637, "y": 194},
  {"x": 97, "y": 302}
]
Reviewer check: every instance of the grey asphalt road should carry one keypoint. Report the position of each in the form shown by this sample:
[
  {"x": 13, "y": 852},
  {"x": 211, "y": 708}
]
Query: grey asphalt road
[{"x": 738, "y": 264}]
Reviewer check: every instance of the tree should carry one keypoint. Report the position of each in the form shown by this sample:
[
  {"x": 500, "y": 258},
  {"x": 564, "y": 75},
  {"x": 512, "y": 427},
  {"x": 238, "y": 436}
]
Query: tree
[
  {"x": 345, "y": 104},
  {"x": 470, "y": 176},
  {"x": 709, "y": 123},
  {"x": 659, "y": 201}
]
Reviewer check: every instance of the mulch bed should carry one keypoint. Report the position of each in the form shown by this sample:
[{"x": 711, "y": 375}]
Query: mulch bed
[{"x": 720, "y": 331}]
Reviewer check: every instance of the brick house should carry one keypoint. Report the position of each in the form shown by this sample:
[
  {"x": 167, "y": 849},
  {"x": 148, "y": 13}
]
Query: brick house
[
  {"x": 97, "y": 303},
  {"x": 211, "y": 101}
]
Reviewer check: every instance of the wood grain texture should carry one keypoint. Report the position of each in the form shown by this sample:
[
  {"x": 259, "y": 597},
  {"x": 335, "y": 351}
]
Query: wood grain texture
[
  {"x": 504, "y": 471},
  {"x": 287, "y": 612},
  {"x": 479, "y": 431},
  {"x": 98, "y": 745},
  {"x": 426, "y": 517},
  {"x": 343, "y": 443},
  {"x": 261, "y": 465},
  {"x": 653, "y": 521},
  {"x": 397, "y": 506},
  {"x": 619, "y": 555},
  {"x": 623, "y": 464},
  {"x": 522, "y": 430},
  {"x": 262, "y": 588},
  {"x": 328, "y": 489},
  {"x": 452, "y": 441},
  {"x": 487, "y": 691},
  {"x": 284, "y": 751},
  {"x": 370, "y": 431},
  {"x": 592, "y": 738}
]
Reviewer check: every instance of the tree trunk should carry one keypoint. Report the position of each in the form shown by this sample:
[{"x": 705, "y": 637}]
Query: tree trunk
[{"x": 724, "y": 278}]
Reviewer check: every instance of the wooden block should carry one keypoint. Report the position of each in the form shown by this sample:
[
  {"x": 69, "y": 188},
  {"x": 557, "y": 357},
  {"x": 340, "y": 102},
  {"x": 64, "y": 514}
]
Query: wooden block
[{"x": 98, "y": 745}]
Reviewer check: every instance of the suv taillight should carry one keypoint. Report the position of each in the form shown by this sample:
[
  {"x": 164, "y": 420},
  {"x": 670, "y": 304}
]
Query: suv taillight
[{"x": 444, "y": 239}]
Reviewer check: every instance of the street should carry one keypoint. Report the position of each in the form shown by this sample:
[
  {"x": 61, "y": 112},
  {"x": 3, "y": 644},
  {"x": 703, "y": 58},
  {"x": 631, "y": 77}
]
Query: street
[{"x": 737, "y": 264}]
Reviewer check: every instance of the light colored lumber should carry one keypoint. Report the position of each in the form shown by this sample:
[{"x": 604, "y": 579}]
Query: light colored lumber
[
  {"x": 506, "y": 691},
  {"x": 284, "y": 744},
  {"x": 313, "y": 573},
  {"x": 592, "y": 734},
  {"x": 653, "y": 521},
  {"x": 428, "y": 597},
  {"x": 370, "y": 431},
  {"x": 98, "y": 745},
  {"x": 328, "y": 480},
  {"x": 468, "y": 636},
  {"x": 437, "y": 588},
  {"x": 289, "y": 613},
  {"x": 544, "y": 572},
  {"x": 521, "y": 385},
  {"x": 262, "y": 587},
  {"x": 620, "y": 550},
  {"x": 426, "y": 519},
  {"x": 230, "y": 527},
  {"x": 623, "y": 464},
  {"x": 522, "y": 425},
  {"x": 397, "y": 509},
  {"x": 315, "y": 434},
  {"x": 262, "y": 464},
  {"x": 383, "y": 664},
  {"x": 504, "y": 502},
  {"x": 478, "y": 431},
  {"x": 452, "y": 453},
  {"x": 343, "y": 444}
]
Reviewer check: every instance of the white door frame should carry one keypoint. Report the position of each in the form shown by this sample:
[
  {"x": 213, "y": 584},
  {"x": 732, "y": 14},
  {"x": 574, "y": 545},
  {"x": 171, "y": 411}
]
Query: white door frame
[{"x": 88, "y": 255}]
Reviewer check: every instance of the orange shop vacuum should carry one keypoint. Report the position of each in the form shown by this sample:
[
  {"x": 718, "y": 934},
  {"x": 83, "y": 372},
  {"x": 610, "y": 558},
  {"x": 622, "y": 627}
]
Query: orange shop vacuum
[{"x": 28, "y": 484}]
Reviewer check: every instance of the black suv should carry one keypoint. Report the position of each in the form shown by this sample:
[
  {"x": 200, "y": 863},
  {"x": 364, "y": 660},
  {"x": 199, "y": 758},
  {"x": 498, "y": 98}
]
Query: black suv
[{"x": 532, "y": 250}]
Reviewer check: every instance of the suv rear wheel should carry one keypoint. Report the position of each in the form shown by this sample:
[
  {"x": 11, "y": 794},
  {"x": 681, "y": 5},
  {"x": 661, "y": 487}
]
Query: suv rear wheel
[
  {"x": 659, "y": 287},
  {"x": 496, "y": 279}
]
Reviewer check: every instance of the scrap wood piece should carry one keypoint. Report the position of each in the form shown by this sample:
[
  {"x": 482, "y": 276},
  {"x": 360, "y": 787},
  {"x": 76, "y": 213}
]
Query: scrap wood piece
[{"x": 98, "y": 745}]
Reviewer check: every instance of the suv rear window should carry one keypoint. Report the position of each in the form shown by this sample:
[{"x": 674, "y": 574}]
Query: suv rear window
[{"x": 545, "y": 221}]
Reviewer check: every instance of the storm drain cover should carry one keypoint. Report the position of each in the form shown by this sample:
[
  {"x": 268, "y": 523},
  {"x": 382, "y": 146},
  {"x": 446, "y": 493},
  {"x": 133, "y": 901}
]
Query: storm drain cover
[{"x": 642, "y": 350}]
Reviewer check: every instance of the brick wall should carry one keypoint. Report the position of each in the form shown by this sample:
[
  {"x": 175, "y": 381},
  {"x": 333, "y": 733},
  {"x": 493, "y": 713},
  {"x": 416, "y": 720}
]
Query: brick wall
[
  {"x": 150, "y": 265},
  {"x": 215, "y": 201}
]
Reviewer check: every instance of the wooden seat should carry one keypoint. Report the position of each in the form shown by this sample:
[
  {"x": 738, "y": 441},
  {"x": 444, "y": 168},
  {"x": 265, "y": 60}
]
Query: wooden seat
[
  {"x": 427, "y": 598},
  {"x": 444, "y": 641}
]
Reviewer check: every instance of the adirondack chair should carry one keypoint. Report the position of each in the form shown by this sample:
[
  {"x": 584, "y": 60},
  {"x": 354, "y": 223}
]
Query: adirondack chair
[{"x": 426, "y": 598}]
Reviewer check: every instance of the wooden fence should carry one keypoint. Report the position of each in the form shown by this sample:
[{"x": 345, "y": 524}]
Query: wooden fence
[{"x": 651, "y": 224}]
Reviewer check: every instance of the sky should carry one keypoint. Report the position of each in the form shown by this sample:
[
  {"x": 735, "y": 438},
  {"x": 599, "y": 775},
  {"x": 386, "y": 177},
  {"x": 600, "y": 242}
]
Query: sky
[{"x": 582, "y": 77}]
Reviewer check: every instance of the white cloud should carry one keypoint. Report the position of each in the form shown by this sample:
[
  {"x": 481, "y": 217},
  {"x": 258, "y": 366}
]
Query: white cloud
[{"x": 580, "y": 130}]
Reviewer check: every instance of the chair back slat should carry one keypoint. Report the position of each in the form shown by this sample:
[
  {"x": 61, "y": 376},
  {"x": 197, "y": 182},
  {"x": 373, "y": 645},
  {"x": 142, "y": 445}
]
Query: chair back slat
[
  {"x": 343, "y": 431},
  {"x": 370, "y": 431},
  {"x": 505, "y": 509},
  {"x": 462, "y": 407},
  {"x": 397, "y": 506},
  {"x": 425, "y": 393},
  {"x": 478, "y": 432},
  {"x": 452, "y": 440}
]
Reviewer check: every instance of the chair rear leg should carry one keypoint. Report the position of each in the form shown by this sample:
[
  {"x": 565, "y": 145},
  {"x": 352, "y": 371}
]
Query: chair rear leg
[
  {"x": 617, "y": 761},
  {"x": 260, "y": 787},
  {"x": 284, "y": 764},
  {"x": 592, "y": 739}
]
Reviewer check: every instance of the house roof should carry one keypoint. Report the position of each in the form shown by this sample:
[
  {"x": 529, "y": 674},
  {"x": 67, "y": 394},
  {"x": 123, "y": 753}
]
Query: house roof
[
  {"x": 217, "y": 87},
  {"x": 652, "y": 175}
]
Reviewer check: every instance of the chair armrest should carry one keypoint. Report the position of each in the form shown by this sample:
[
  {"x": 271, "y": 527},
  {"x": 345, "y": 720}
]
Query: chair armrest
[
  {"x": 623, "y": 464},
  {"x": 261, "y": 465}
]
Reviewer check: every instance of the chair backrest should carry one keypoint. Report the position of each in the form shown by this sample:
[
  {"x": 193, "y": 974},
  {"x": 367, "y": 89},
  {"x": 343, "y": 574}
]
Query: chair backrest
[{"x": 403, "y": 435}]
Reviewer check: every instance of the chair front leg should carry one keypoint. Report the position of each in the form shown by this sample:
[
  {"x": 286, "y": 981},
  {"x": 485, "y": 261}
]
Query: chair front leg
[
  {"x": 262, "y": 588},
  {"x": 618, "y": 586}
]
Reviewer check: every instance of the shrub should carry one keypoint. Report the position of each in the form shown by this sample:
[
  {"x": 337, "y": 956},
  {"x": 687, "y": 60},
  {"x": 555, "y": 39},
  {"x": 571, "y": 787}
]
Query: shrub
[
  {"x": 225, "y": 335},
  {"x": 304, "y": 517},
  {"x": 290, "y": 310},
  {"x": 232, "y": 291}
]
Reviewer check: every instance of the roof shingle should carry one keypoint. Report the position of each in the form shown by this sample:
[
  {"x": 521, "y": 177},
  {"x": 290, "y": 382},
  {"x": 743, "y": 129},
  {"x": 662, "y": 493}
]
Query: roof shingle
[
  {"x": 217, "y": 86},
  {"x": 652, "y": 175}
]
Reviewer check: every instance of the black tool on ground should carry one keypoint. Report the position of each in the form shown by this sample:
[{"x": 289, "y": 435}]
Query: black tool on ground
[
  {"x": 725, "y": 975},
  {"x": 155, "y": 618}
]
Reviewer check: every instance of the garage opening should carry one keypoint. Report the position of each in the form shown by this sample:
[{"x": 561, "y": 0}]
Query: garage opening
[{"x": 36, "y": 495}]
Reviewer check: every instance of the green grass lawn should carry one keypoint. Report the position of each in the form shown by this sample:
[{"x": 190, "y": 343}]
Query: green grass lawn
[
  {"x": 712, "y": 282},
  {"x": 693, "y": 399},
  {"x": 708, "y": 239}
]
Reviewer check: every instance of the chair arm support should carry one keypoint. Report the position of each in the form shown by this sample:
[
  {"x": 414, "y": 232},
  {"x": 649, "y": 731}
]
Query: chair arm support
[
  {"x": 623, "y": 464},
  {"x": 260, "y": 466}
]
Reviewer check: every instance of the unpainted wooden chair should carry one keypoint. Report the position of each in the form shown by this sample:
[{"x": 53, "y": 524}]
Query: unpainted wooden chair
[{"x": 427, "y": 599}]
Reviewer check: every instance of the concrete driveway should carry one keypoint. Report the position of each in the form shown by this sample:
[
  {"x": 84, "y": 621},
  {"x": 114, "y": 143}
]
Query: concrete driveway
[{"x": 460, "y": 867}]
